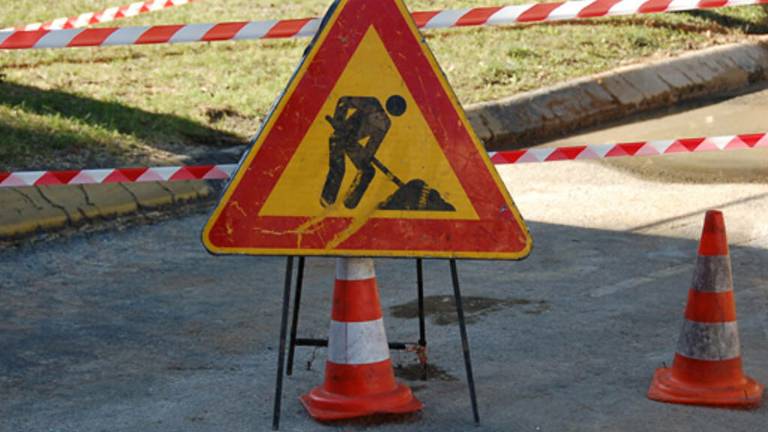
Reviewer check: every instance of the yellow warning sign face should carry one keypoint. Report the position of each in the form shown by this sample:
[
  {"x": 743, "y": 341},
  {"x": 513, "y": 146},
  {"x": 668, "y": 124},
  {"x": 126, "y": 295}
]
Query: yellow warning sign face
[
  {"x": 407, "y": 134},
  {"x": 368, "y": 153}
]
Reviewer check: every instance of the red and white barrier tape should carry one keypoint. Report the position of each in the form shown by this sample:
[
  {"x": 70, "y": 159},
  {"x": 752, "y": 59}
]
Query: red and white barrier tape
[
  {"x": 545, "y": 154},
  {"x": 106, "y": 15},
  {"x": 639, "y": 148},
  {"x": 483, "y": 16},
  {"x": 116, "y": 175}
]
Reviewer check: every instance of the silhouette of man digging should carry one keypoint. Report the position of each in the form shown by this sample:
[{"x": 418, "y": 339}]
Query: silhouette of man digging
[{"x": 360, "y": 124}]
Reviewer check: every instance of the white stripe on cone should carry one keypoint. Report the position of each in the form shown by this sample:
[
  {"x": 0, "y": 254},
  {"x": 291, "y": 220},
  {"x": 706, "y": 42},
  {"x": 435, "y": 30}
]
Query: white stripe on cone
[
  {"x": 709, "y": 341},
  {"x": 351, "y": 269},
  {"x": 356, "y": 343}
]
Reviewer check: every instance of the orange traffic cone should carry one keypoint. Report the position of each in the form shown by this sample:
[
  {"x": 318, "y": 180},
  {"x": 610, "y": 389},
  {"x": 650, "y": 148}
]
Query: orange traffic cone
[
  {"x": 707, "y": 366},
  {"x": 359, "y": 379}
]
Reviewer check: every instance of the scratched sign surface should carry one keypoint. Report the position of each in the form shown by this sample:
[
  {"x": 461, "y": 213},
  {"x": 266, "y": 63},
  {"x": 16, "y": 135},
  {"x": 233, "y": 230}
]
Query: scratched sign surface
[{"x": 367, "y": 153}]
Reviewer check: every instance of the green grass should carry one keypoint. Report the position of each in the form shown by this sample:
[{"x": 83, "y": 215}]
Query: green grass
[{"x": 134, "y": 105}]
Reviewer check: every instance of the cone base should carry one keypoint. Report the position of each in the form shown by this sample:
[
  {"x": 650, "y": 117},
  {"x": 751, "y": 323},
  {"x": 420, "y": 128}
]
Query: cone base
[
  {"x": 325, "y": 406},
  {"x": 665, "y": 388}
]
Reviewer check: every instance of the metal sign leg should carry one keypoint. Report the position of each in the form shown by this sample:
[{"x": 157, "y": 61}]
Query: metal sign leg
[
  {"x": 295, "y": 318},
  {"x": 281, "y": 352},
  {"x": 422, "y": 325},
  {"x": 464, "y": 339}
]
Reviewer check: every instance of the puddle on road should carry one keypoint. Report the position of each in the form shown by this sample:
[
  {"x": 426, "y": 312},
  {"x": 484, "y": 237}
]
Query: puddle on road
[
  {"x": 442, "y": 309},
  {"x": 412, "y": 372}
]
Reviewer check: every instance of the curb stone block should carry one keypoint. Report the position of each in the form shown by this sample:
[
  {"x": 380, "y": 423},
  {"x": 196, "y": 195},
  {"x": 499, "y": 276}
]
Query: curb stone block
[
  {"x": 697, "y": 77},
  {"x": 648, "y": 83},
  {"x": 625, "y": 93},
  {"x": 541, "y": 107},
  {"x": 24, "y": 211},
  {"x": 673, "y": 77},
  {"x": 492, "y": 123},
  {"x": 27, "y": 210},
  {"x": 110, "y": 199},
  {"x": 760, "y": 55},
  {"x": 571, "y": 102},
  {"x": 601, "y": 99},
  {"x": 479, "y": 125},
  {"x": 184, "y": 191},
  {"x": 157, "y": 194},
  {"x": 71, "y": 200},
  {"x": 721, "y": 76},
  {"x": 735, "y": 75},
  {"x": 741, "y": 57},
  {"x": 149, "y": 195}
]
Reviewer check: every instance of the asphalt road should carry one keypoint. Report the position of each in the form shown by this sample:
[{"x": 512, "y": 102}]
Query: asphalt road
[{"x": 142, "y": 330}]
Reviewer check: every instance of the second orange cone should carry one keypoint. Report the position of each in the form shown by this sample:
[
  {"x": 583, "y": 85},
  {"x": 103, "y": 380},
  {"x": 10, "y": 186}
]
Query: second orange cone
[{"x": 707, "y": 366}]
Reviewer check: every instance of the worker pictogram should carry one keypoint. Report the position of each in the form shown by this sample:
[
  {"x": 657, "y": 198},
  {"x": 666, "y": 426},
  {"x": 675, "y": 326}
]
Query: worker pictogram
[
  {"x": 369, "y": 123},
  {"x": 368, "y": 153}
]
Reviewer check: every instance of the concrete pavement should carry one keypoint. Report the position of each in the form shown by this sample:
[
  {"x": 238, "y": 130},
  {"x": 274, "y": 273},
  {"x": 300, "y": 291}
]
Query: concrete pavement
[{"x": 142, "y": 330}]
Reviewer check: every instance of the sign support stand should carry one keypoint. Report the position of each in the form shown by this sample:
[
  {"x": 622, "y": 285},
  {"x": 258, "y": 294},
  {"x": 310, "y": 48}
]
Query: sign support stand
[
  {"x": 422, "y": 325},
  {"x": 281, "y": 352},
  {"x": 294, "y": 341},
  {"x": 295, "y": 318},
  {"x": 464, "y": 339}
]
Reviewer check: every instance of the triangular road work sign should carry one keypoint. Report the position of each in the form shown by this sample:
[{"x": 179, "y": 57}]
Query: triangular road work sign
[{"x": 367, "y": 153}]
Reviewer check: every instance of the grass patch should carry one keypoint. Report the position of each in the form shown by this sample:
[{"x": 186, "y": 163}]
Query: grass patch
[{"x": 152, "y": 104}]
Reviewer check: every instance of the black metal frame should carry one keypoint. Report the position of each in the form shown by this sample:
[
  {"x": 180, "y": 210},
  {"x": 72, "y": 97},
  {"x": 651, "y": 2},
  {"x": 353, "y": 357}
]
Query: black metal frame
[
  {"x": 294, "y": 341},
  {"x": 464, "y": 340},
  {"x": 281, "y": 353}
]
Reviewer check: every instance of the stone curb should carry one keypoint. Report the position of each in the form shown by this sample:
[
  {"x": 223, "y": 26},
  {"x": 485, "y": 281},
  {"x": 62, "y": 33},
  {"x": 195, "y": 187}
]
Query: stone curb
[
  {"x": 529, "y": 118},
  {"x": 27, "y": 211}
]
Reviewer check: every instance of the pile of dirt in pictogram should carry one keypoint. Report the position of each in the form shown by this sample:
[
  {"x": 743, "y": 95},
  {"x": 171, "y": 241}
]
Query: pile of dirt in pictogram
[{"x": 416, "y": 195}]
